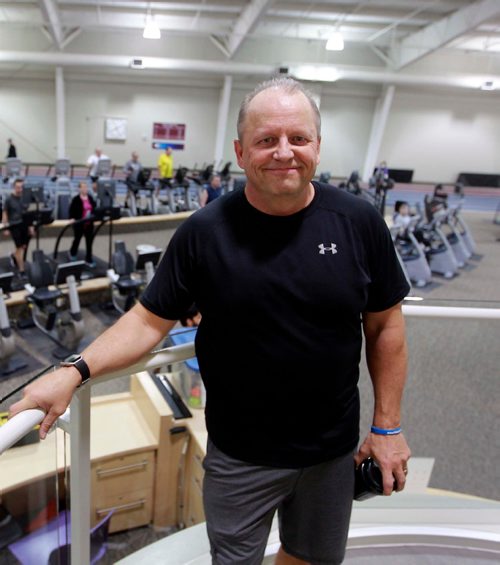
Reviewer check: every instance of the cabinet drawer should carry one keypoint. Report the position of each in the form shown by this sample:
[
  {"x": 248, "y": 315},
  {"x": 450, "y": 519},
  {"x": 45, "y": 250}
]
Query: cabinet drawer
[
  {"x": 124, "y": 474},
  {"x": 131, "y": 509}
]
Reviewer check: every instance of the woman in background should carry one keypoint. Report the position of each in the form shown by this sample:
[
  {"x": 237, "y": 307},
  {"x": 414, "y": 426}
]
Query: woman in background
[{"x": 82, "y": 206}]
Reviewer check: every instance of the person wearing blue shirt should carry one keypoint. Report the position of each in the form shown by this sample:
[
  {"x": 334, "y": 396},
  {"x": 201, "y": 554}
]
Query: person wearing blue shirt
[{"x": 212, "y": 191}]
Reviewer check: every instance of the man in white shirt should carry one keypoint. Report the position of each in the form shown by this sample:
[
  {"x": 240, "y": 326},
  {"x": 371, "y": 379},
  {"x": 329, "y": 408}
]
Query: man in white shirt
[{"x": 93, "y": 161}]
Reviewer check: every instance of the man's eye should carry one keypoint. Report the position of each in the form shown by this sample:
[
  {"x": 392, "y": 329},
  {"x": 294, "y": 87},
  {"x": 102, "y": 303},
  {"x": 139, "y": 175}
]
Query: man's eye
[
  {"x": 266, "y": 141},
  {"x": 298, "y": 140}
]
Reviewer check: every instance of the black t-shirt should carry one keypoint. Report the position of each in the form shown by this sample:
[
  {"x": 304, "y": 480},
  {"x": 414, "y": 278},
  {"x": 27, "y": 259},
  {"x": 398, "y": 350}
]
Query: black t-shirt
[{"x": 281, "y": 301}]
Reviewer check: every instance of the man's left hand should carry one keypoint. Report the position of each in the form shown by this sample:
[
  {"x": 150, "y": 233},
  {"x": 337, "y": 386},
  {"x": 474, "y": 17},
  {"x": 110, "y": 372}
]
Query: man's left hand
[{"x": 391, "y": 454}]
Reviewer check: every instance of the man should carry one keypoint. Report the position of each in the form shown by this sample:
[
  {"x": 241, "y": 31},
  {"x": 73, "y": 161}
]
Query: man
[
  {"x": 11, "y": 152},
  {"x": 307, "y": 268},
  {"x": 165, "y": 169},
  {"x": 212, "y": 191},
  {"x": 132, "y": 168},
  {"x": 93, "y": 162},
  {"x": 13, "y": 214}
]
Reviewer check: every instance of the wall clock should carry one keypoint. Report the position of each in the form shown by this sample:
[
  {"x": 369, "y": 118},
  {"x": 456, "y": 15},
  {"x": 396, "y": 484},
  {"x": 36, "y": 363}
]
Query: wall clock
[{"x": 116, "y": 129}]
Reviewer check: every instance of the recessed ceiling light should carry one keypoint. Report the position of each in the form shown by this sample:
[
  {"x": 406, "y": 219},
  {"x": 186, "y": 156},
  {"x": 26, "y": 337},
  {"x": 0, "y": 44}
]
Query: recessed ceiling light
[
  {"x": 151, "y": 29},
  {"x": 336, "y": 42}
]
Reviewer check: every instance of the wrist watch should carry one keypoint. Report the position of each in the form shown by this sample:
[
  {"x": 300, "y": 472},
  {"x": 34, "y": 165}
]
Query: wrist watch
[{"x": 79, "y": 364}]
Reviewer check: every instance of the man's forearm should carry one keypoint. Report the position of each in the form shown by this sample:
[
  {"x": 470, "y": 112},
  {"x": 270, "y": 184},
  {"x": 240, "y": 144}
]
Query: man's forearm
[
  {"x": 386, "y": 355},
  {"x": 135, "y": 333},
  {"x": 387, "y": 359},
  {"x": 124, "y": 343}
]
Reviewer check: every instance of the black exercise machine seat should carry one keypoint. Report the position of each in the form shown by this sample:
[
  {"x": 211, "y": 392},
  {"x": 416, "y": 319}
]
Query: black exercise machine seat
[
  {"x": 40, "y": 276},
  {"x": 123, "y": 265}
]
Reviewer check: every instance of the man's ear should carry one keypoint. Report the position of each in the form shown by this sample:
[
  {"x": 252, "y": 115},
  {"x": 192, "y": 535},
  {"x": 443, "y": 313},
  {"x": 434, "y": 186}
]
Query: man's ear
[
  {"x": 238, "y": 150},
  {"x": 318, "y": 157}
]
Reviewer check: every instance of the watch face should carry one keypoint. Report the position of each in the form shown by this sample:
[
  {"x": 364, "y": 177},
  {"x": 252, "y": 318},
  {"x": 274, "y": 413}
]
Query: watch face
[{"x": 73, "y": 358}]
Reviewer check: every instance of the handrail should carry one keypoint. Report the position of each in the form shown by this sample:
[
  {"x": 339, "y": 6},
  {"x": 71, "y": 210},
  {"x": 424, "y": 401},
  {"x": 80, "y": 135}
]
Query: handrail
[
  {"x": 18, "y": 426},
  {"x": 21, "y": 424},
  {"x": 451, "y": 312}
]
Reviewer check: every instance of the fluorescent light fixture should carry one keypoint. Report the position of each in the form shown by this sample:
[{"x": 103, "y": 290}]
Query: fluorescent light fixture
[
  {"x": 315, "y": 73},
  {"x": 151, "y": 29},
  {"x": 336, "y": 42},
  {"x": 488, "y": 85}
]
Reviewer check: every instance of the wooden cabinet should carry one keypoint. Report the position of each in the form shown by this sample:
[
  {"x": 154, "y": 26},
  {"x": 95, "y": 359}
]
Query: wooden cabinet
[
  {"x": 193, "y": 497},
  {"x": 124, "y": 484},
  {"x": 136, "y": 448},
  {"x": 193, "y": 476}
]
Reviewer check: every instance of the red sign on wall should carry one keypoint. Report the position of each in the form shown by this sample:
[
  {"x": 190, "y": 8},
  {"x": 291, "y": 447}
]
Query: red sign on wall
[{"x": 172, "y": 132}]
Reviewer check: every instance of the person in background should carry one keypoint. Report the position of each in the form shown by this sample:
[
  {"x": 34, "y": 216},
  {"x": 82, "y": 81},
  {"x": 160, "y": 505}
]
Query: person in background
[
  {"x": 21, "y": 233},
  {"x": 12, "y": 151},
  {"x": 401, "y": 217},
  {"x": 309, "y": 269},
  {"x": 93, "y": 161},
  {"x": 132, "y": 168},
  {"x": 382, "y": 170},
  {"x": 165, "y": 169},
  {"x": 82, "y": 206},
  {"x": 212, "y": 191}
]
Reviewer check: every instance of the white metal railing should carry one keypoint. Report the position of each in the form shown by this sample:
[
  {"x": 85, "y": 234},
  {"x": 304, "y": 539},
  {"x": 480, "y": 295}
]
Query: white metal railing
[{"x": 79, "y": 422}]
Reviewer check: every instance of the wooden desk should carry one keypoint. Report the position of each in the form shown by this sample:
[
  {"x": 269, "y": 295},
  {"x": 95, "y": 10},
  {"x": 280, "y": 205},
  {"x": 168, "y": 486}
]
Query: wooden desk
[
  {"x": 134, "y": 457},
  {"x": 193, "y": 476}
]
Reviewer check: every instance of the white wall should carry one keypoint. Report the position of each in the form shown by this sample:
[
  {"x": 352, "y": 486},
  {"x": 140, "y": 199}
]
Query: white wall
[
  {"x": 88, "y": 104},
  {"x": 346, "y": 122},
  {"x": 27, "y": 115},
  {"x": 439, "y": 135}
]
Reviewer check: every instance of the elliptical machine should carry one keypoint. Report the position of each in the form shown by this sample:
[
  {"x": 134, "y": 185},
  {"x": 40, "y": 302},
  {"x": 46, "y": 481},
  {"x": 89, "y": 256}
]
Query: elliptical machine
[
  {"x": 134, "y": 186},
  {"x": 55, "y": 315},
  {"x": 8, "y": 364},
  {"x": 381, "y": 182},
  {"x": 412, "y": 253},
  {"x": 125, "y": 288}
]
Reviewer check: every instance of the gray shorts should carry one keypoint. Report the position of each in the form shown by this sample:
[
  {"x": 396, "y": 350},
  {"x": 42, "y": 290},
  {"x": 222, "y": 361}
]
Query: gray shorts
[{"x": 314, "y": 508}]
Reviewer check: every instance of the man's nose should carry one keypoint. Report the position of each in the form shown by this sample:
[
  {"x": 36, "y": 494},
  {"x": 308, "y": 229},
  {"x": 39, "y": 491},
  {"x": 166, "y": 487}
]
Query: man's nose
[{"x": 283, "y": 150}]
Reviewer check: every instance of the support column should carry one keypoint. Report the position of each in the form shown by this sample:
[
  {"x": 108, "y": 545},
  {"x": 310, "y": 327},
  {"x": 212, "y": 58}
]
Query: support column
[
  {"x": 380, "y": 116},
  {"x": 225, "y": 97},
  {"x": 60, "y": 115}
]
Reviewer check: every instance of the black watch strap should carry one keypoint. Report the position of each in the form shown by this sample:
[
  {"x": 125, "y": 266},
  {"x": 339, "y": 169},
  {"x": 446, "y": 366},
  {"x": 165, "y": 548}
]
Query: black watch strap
[{"x": 80, "y": 365}]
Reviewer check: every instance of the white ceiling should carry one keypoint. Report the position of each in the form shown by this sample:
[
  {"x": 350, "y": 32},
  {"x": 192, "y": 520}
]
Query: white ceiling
[{"x": 385, "y": 39}]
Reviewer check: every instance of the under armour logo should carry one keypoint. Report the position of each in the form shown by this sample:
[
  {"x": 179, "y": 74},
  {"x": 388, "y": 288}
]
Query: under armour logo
[{"x": 323, "y": 249}]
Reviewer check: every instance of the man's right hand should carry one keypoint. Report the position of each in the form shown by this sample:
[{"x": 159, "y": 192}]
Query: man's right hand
[{"x": 51, "y": 393}]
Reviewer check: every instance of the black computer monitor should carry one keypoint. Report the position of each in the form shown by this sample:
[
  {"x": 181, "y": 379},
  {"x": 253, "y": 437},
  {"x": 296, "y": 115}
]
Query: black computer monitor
[
  {"x": 147, "y": 257},
  {"x": 64, "y": 270},
  {"x": 41, "y": 217}
]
